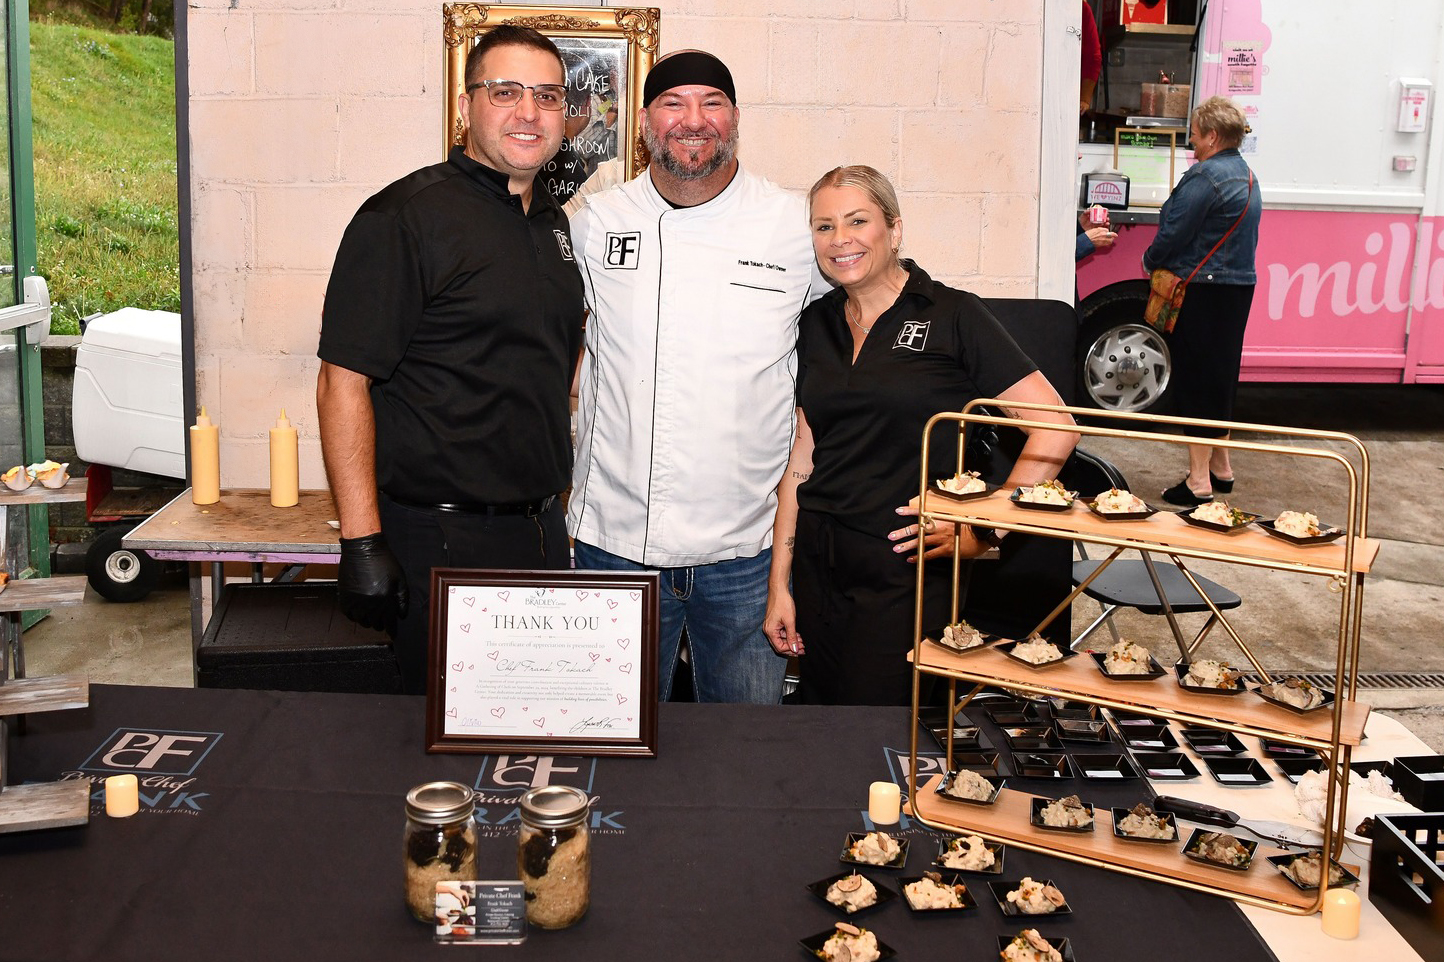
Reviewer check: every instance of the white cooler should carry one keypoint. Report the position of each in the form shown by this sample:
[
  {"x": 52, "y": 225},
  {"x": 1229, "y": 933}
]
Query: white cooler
[{"x": 127, "y": 405}]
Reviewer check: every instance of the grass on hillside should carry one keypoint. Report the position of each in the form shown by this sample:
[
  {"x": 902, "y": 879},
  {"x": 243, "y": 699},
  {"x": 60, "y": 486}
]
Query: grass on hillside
[{"x": 105, "y": 170}]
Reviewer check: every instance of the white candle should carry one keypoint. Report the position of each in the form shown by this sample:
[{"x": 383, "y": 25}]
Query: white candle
[
  {"x": 122, "y": 796},
  {"x": 1341, "y": 914},
  {"x": 884, "y": 803}
]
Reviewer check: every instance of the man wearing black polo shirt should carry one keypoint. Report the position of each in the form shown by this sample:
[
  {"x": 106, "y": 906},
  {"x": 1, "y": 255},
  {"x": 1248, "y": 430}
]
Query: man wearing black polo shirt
[{"x": 451, "y": 327}]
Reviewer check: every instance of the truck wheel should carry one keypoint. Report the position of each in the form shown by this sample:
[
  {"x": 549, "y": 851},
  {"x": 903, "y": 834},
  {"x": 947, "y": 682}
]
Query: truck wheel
[
  {"x": 117, "y": 573},
  {"x": 1123, "y": 363}
]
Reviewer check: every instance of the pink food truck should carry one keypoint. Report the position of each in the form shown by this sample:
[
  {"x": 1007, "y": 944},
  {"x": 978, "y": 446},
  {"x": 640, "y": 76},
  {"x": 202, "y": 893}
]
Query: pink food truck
[{"x": 1351, "y": 245}]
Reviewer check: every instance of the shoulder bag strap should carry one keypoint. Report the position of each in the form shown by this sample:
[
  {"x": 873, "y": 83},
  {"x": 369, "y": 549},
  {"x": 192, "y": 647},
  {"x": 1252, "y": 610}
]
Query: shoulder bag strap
[{"x": 1246, "y": 199}]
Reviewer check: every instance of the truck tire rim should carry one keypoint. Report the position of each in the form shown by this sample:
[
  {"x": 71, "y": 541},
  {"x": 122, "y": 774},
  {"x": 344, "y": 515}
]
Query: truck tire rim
[
  {"x": 1127, "y": 368},
  {"x": 122, "y": 567}
]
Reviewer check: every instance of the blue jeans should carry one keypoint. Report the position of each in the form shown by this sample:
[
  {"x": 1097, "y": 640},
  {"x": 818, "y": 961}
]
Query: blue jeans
[{"x": 722, "y": 606}]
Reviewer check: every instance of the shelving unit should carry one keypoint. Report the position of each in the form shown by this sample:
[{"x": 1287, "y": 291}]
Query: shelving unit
[
  {"x": 42, "y": 805},
  {"x": 1334, "y": 733}
]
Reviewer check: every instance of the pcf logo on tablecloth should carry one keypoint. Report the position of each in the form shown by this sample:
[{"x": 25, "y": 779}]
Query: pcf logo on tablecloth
[{"x": 152, "y": 751}]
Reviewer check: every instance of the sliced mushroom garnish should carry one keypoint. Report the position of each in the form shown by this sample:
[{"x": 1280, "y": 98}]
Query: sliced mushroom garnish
[
  {"x": 850, "y": 884},
  {"x": 847, "y": 929}
]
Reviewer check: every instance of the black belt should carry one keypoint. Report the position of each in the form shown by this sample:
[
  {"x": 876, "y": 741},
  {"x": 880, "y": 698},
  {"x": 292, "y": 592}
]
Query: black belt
[{"x": 530, "y": 509}]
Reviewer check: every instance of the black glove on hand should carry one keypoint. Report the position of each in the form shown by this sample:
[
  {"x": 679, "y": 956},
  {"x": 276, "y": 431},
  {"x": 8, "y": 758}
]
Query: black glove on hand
[{"x": 372, "y": 584}]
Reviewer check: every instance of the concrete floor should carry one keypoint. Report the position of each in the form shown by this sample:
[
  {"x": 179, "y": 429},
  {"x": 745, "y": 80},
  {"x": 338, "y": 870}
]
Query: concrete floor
[{"x": 1288, "y": 619}]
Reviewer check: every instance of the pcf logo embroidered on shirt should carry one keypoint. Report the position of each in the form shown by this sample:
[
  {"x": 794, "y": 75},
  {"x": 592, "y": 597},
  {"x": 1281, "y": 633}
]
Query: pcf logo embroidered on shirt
[
  {"x": 622, "y": 251},
  {"x": 913, "y": 336},
  {"x": 564, "y": 244}
]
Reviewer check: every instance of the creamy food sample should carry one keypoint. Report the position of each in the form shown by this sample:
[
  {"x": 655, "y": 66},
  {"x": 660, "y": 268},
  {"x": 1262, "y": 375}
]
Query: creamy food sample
[
  {"x": 1222, "y": 848},
  {"x": 1300, "y": 524},
  {"x": 969, "y": 784},
  {"x": 962, "y": 635},
  {"x": 1029, "y": 946},
  {"x": 852, "y": 893},
  {"x": 1208, "y": 673},
  {"x": 1067, "y": 812},
  {"x": 929, "y": 892},
  {"x": 1219, "y": 512},
  {"x": 1045, "y": 492},
  {"x": 1036, "y": 898},
  {"x": 1305, "y": 870},
  {"x": 1127, "y": 658},
  {"x": 1143, "y": 822},
  {"x": 969, "y": 853},
  {"x": 850, "y": 944},
  {"x": 1296, "y": 692},
  {"x": 1037, "y": 651},
  {"x": 875, "y": 848},
  {"x": 1118, "y": 501},
  {"x": 966, "y": 483}
]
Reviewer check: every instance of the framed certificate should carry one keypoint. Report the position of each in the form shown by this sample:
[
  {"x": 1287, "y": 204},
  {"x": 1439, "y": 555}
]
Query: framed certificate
[{"x": 549, "y": 662}]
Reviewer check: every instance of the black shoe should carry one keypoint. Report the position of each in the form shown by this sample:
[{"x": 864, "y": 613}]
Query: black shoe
[
  {"x": 1180, "y": 494},
  {"x": 1220, "y": 485}
]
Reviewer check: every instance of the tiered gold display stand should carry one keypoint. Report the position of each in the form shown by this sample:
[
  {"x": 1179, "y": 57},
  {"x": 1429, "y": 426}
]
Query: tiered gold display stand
[
  {"x": 45, "y": 804},
  {"x": 1343, "y": 563}
]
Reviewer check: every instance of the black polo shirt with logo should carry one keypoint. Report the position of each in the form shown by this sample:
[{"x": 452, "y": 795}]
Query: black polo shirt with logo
[
  {"x": 466, "y": 312},
  {"x": 934, "y": 350}
]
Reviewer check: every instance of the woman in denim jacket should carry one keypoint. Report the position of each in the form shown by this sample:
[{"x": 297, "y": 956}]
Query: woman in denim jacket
[{"x": 1207, "y": 342}]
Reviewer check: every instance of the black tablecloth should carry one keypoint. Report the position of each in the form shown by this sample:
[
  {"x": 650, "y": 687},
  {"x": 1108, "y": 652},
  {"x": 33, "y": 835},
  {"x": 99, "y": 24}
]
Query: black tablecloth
[{"x": 277, "y": 836}]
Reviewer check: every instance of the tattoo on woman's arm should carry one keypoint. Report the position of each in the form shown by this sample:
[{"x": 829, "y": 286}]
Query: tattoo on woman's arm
[
  {"x": 800, "y": 476},
  {"x": 790, "y": 543}
]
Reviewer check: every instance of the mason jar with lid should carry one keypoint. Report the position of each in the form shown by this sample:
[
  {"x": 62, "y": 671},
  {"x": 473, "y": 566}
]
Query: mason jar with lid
[
  {"x": 554, "y": 855},
  {"x": 440, "y": 843}
]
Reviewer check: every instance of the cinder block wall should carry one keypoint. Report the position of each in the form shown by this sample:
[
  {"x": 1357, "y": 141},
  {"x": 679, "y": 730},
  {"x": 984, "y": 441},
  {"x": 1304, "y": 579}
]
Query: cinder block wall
[{"x": 300, "y": 109}]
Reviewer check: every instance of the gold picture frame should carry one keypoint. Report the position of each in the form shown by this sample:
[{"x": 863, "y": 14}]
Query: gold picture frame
[{"x": 607, "y": 51}]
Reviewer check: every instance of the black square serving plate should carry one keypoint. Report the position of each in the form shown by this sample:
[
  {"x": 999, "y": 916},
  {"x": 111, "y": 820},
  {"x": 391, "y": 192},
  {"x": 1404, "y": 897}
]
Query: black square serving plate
[
  {"x": 820, "y": 887},
  {"x": 1182, "y": 672},
  {"x": 1105, "y": 767},
  {"x": 937, "y": 487},
  {"x": 854, "y": 837},
  {"x": 1277, "y": 749},
  {"x": 1281, "y": 862},
  {"x": 1237, "y": 772},
  {"x": 1143, "y": 515},
  {"x": 966, "y": 896},
  {"x": 1328, "y": 701},
  {"x": 1017, "y": 498},
  {"x": 1247, "y": 519},
  {"x": 1119, "y": 814},
  {"x": 1035, "y": 818},
  {"x": 1000, "y": 892},
  {"x": 1076, "y": 710},
  {"x": 993, "y": 780},
  {"x": 966, "y": 737},
  {"x": 1155, "y": 670},
  {"x": 1165, "y": 766},
  {"x": 1041, "y": 765},
  {"x": 1385, "y": 768},
  {"x": 1133, "y": 719},
  {"x": 1296, "y": 768},
  {"x": 814, "y": 943},
  {"x": 1032, "y": 737},
  {"x": 1007, "y": 648},
  {"x": 984, "y": 763},
  {"x": 1212, "y": 742},
  {"x": 1158, "y": 738},
  {"x": 1191, "y": 851},
  {"x": 1064, "y": 947},
  {"x": 1013, "y": 712},
  {"x": 1077, "y": 730},
  {"x": 997, "y": 848},
  {"x": 1329, "y": 533}
]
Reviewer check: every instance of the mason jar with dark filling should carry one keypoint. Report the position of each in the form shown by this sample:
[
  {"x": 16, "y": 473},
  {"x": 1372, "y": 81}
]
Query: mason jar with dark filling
[
  {"x": 440, "y": 844},
  {"x": 554, "y": 855}
]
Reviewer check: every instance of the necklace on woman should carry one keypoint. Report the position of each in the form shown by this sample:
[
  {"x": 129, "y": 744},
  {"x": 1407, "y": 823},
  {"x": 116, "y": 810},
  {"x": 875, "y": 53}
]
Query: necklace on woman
[{"x": 847, "y": 310}]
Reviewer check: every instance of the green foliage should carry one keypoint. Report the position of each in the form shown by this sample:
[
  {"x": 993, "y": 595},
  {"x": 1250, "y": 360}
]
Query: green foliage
[{"x": 105, "y": 170}]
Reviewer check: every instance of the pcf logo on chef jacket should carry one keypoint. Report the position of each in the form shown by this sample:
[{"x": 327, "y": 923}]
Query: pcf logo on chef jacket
[
  {"x": 913, "y": 336},
  {"x": 623, "y": 250}
]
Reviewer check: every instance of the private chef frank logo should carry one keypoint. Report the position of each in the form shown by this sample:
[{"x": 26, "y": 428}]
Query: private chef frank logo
[
  {"x": 564, "y": 244},
  {"x": 152, "y": 752},
  {"x": 913, "y": 336},
  {"x": 163, "y": 761},
  {"x": 622, "y": 253},
  {"x": 503, "y": 778}
]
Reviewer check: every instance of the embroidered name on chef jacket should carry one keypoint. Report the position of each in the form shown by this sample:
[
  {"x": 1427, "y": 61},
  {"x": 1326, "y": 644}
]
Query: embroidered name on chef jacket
[
  {"x": 564, "y": 244},
  {"x": 913, "y": 336},
  {"x": 623, "y": 251}
]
